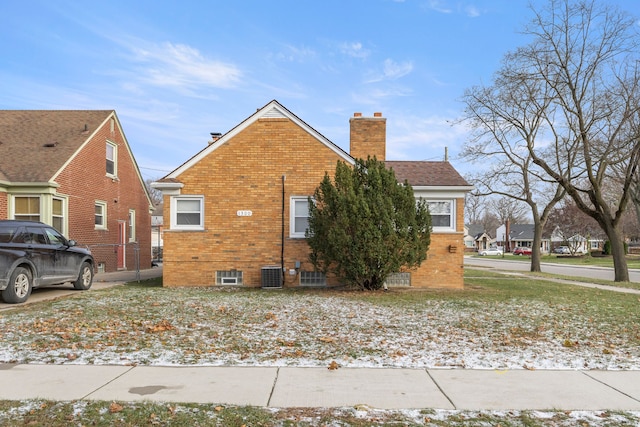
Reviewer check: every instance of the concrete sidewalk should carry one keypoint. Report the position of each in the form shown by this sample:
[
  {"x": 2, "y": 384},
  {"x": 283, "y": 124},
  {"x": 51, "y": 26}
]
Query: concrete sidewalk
[{"x": 287, "y": 387}]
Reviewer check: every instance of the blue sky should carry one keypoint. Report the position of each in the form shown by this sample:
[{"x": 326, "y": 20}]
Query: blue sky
[{"x": 176, "y": 71}]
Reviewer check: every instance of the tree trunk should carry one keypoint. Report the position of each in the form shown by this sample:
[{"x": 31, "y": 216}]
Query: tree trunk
[
  {"x": 535, "y": 249},
  {"x": 619, "y": 256}
]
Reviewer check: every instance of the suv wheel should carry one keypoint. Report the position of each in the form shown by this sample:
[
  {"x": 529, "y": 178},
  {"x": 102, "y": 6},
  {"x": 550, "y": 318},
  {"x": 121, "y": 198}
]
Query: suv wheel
[
  {"x": 19, "y": 288},
  {"x": 85, "y": 279}
]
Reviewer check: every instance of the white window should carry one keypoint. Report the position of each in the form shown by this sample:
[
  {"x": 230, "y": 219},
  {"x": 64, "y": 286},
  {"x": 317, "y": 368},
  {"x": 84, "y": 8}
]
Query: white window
[
  {"x": 443, "y": 214},
  {"x": 112, "y": 155},
  {"x": 100, "y": 215},
  {"x": 299, "y": 218},
  {"x": 57, "y": 215},
  {"x": 26, "y": 208},
  {"x": 132, "y": 225},
  {"x": 187, "y": 213}
]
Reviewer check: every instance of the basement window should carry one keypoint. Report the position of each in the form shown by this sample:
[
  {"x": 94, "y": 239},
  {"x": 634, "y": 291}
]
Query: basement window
[
  {"x": 398, "y": 279},
  {"x": 312, "y": 278},
  {"x": 229, "y": 277}
]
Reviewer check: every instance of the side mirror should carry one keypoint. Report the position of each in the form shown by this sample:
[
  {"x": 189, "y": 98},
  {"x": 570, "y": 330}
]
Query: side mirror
[{"x": 72, "y": 243}]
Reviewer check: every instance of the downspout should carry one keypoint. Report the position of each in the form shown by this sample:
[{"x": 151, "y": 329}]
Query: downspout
[{"x": 284, "y": 177}]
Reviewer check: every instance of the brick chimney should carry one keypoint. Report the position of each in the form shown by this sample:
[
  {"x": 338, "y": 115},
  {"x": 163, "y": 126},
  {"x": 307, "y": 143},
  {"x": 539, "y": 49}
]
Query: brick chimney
[{"x": 368, "y": 136}]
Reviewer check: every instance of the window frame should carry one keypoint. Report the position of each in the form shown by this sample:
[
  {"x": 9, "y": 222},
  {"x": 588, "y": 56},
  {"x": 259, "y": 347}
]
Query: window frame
[
  {"x": 452, "y": 215},
  {"x": 292, "y": 217},
  {"x": 114, "y": 160},
  {"x": 174, "y": 213},
  {"x": 29, "y": 216},
  {"x": 103, "y": 206},
  {"x": 62, "y": 217},
  {"x": 132, "y": 225}
]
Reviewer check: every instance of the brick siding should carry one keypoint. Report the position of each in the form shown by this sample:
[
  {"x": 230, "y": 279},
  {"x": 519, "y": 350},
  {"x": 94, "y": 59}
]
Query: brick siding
[
  {"x": 246, "y": 173},
  {"x": 84, "y": 181}
]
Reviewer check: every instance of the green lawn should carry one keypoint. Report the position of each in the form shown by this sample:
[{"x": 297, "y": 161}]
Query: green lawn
[{"x": 506, "y": 318}]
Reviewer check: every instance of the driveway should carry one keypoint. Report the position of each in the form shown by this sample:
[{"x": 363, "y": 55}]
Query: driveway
[{"x": 100, "y": 281}]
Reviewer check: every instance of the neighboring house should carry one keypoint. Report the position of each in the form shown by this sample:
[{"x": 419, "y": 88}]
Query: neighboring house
[
  {"x": 519, "y": 235},
  {"x": 477, "y": 239},
  {"x": 75, "y": 170},
  {"x": 236, "y": 212},
  {"x": 577, "y": 244}
]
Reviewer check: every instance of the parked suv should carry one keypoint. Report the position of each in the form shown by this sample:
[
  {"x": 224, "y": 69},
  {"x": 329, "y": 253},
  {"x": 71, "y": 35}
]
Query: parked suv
[{"x": 33, "y": 254}]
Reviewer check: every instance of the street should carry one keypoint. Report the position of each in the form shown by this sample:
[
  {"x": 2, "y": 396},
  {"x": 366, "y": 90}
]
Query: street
[{"x": 604, "y": 273}]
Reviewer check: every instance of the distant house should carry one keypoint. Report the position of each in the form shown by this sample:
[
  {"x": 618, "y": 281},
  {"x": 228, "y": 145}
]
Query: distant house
[
  {"x": 237, "y": 211},
  {"x": 476, "y": 238},
  {"x": 519, "y": 235},
  {"x": 576, "y": 243},
  {"x": 75, "y": 170}
]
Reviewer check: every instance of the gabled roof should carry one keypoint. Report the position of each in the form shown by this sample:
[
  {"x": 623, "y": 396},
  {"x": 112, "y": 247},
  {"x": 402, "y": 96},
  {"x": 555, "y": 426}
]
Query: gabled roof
[
  {"x": 36, "y": 144},
  {"x": 273, "y": 110},
  {"x": 521, "y": 231},
  {"x": 475, "y": 229},
  {"x": 418, "y": 174},
  {"x": 427, "y": 174}
]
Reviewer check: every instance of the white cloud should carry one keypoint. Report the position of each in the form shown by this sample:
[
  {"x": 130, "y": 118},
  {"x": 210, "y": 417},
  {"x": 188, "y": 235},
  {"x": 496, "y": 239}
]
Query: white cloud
[
  {"x": 472, "y": 11},
  {"x": 354, "y": 49},
  {"x": 439, "y": 6},
  {"x": 295, "y": 54},
  {"x": 423, "y": 138},
  {"x": 181, "y": 66},
  {"x": 391, "y": 70}
]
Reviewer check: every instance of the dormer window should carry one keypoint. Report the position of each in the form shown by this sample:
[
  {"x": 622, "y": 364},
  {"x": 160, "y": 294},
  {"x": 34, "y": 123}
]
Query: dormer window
[{"x": 112, "y": 150}]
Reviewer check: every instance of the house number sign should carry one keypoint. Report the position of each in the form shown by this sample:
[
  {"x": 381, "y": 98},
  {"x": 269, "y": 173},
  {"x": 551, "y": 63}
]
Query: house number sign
[{"x": 244, "y": 213}]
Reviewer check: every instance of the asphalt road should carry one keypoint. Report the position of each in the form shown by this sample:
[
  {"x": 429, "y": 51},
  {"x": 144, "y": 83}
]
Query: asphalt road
[{"x": 605, "y": 273}]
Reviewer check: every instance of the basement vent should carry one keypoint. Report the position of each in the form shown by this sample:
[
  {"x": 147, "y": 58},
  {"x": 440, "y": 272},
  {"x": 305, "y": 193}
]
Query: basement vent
[
  {"x": 271, "y": 276},
  {"x": 229, "y": 277},
  {"x": 50, "y": 144}
]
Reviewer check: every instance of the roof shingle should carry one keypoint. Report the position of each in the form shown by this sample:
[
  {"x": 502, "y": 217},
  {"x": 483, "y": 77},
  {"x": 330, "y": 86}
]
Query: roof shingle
[
  {"x": 35, "y": 144},
  {"x": 427, "y": 174}
]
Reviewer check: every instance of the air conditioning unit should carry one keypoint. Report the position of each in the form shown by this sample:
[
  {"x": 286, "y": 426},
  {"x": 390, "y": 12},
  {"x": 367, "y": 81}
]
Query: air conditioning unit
[{"x": 271, "y": 276}]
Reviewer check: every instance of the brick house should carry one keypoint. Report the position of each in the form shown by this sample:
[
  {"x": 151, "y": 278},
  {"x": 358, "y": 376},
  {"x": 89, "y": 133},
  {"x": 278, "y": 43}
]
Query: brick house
[
  {"x": 75, "y": 170},
  {"x": 236, "y": 212}
]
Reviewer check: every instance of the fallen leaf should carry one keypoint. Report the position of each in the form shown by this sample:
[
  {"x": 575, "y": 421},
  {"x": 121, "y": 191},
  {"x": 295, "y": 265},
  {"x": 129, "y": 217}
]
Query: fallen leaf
[
  {"x": 333, "y": 365},
  {"x": 115, "y": 407}
]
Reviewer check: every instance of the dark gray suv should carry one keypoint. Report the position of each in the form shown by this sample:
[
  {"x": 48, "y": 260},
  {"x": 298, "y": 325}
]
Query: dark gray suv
[{"x": 33, "y": 254}]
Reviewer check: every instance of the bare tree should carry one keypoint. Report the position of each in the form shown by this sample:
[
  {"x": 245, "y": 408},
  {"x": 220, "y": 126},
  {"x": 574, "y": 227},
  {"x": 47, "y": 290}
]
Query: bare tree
[
  {"x": 155, "y": 194},
  {"x": 473, "y": 208},
  {"x": 569, "y": 223},
  {"x": 507, "y": 208},
  {"x": 574, "y": 116},
  {"x": 586, "y": 57},
  {"x": 505, "y": 119}
]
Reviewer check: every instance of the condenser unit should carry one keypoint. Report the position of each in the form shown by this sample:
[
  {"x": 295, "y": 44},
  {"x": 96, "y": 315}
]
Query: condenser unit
[{"x": 271, "y": 276}]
